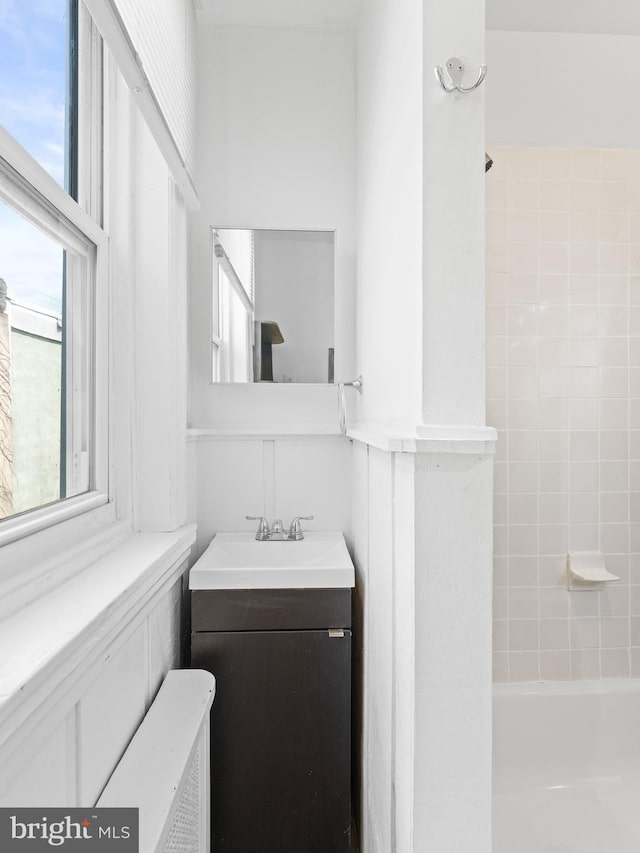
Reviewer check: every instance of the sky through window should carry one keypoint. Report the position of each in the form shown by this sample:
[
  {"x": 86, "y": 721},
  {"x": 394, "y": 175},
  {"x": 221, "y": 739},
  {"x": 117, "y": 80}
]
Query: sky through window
[{"x": 33, "y": 57}]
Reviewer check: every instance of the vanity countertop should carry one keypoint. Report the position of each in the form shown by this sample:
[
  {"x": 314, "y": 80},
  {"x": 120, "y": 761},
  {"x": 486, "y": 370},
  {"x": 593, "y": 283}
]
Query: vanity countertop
[{"x": 237, "y": 560}]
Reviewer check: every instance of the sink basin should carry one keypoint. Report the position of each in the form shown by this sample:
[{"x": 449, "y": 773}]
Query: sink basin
[{"x": 239, "y": 561}]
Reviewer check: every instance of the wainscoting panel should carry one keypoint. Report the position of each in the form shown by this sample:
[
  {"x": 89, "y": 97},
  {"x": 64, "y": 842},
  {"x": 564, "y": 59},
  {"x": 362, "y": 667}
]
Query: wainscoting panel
[
  {"x": 230, "y": 485},
  {"x": 274, "y": 476},
  {"x": 64, "y": 749},
  {"x": 314, "y": 478},
  {"x": 106, "y": 713},
  {"x": 44, "y": 780},
  {"x": 163, "y": 627}
]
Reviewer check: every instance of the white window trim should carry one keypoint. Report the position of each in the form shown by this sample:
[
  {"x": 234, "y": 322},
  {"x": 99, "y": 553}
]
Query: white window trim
[{"x": 30, "y": 190}]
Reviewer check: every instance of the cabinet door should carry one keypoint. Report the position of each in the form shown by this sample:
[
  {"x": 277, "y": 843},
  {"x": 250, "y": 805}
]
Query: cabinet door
[{"x": 280, "y": 740}]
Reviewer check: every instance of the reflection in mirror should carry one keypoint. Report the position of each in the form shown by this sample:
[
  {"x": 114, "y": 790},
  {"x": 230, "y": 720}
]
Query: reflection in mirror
[{"x": 272, "y": 306}]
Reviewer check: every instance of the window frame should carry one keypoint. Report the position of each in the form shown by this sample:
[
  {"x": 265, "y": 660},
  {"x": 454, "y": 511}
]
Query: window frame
[{"x": 32, "y": 192}]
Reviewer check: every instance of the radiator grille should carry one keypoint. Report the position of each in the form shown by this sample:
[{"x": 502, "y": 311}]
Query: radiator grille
[
  {"x": 184, "y": 835},
  {"x": 165, "y": 769}
]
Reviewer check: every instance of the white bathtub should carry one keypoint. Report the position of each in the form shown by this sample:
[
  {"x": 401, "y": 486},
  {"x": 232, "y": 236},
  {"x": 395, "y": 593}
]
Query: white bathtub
[{"x": 566, "y": 764}]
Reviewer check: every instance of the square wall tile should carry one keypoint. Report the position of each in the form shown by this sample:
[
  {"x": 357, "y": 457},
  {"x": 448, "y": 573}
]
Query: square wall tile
[
  {"x": 552, "y": 571},
  {"x": 585, "y": 164},
  {"x": 523, "y": 571},
  {"x": 554, "y": 603},
  {"x": 554, "y": 414},
  {"x": 555, "y": 665},
  {"x": 583, "y": 352},
  {"x": 554, "y": 634},
  {"x": 585, "y": 633},
  {"x": 553, "y": 476},
  {"x": 583, "y": 414},
  {"x": 614, "y": 663},
  {"x": 583, "y": 537},
  {"x": 523, "y": 508},
  {"x": 523, "y": 604},
  {"x": 553, "y": 508},
  {"x": 523, "y": 412},
  {"x": 585, "y": 664},
  {"x": 524, "y": 666},
  {"x": 584, "y": 226},
  {"x": 523, "y": 634}
]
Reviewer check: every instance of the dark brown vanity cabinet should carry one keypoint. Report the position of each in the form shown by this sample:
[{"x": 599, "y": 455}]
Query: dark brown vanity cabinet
[{"x": 281, "y": 718}]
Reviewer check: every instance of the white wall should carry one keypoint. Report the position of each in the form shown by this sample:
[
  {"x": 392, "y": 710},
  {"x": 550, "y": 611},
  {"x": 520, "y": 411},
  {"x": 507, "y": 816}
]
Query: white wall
[
  {"x": 588, "y": 16},
  {"x": 295, "y": 288},
  {"x": 562, "y": 89},
  {"x": 277, "y": 150},
  {"x": 276, "y": 141}
]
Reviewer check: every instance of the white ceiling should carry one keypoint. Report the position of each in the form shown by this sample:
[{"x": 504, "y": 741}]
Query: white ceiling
[
  {"x": 615, "y": 17},
  {"x": 278, "y": 13}
]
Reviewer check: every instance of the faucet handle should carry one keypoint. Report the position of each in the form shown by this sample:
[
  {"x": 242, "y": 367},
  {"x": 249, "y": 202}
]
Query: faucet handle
[
  {"x": 263, "y": 528},
  {"x": 295, "y": 530}
]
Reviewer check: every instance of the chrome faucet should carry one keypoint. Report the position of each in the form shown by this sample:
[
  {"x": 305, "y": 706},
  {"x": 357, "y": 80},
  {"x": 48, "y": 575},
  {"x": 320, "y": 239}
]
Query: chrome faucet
[
  {"x": 264, "y": 531},
  {"x": 276, "y": 532},
  {"x": 295, "y": 529}
]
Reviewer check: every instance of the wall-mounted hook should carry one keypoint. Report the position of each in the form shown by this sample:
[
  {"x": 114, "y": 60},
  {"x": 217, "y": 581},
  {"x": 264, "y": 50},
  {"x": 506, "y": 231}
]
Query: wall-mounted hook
[{"x": 455, "y": 72}]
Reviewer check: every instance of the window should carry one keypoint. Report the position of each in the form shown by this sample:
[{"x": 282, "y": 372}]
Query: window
[{"x": 50, "y": 254}]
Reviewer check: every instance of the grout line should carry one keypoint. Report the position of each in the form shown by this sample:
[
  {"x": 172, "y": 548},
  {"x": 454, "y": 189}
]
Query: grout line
[{"x": 269, "y": 479}]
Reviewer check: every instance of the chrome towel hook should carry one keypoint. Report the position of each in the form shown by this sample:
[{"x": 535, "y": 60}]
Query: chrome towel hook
[{"x": 455, "y": 72}]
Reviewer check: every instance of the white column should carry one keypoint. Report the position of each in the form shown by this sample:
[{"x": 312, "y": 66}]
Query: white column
[
  {"x": 453, "y": 222},
  {"x": 426, "y": 489},
  {"x": 452, "y": 614}
]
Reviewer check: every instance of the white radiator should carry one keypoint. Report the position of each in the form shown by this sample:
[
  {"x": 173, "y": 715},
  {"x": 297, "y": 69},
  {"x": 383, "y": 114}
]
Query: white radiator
[{"x": 165, "y": 770}]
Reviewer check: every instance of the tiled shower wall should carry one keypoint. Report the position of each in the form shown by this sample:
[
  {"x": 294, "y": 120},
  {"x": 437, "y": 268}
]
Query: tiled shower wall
[{"x": 563, "y": 389}]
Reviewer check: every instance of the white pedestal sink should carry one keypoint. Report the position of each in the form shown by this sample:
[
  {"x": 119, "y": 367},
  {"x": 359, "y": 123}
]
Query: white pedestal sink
[{"x": 239, "y": 561}]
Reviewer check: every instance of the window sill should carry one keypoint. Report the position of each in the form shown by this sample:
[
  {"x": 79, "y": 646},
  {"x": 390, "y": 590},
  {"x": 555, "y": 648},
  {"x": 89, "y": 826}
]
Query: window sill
[
  {"x": 55, "y": 641},
  {"x": 42, "y": 549}
]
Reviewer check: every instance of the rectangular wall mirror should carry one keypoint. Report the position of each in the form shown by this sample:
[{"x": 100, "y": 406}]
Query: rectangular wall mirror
[{"x": 272, "y": 306}]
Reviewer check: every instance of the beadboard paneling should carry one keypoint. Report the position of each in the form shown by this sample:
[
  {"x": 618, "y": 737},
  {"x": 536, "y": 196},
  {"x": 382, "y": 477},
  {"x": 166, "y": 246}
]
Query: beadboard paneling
[{"x": 272, "y": 476}]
